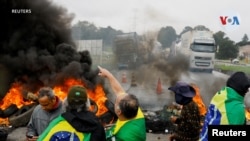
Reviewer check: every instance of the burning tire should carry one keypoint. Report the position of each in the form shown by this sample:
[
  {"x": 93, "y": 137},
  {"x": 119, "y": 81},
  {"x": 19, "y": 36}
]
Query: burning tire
[
  {"x": 24, "y": 109},
  {"x": 22, "y": 116},
  {"x": 94, "y": 107},
  {"x": 9, "y": 111}
]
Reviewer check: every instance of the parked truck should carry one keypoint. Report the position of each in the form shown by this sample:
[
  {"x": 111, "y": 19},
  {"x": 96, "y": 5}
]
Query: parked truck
[
  {"x": 200, "y": 47},
  {"x": 132, "y": 50},
  {"x": 126, "y": 50}
]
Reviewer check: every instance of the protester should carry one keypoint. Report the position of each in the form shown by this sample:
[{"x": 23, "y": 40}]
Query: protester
[
  {"x": 50, "y": 106},
  {"x": 130, "y": 125},
  {"x": 77, "y": 123},
  {"x": 229, "y": 97},
  {"x": 188, "y": 123}
]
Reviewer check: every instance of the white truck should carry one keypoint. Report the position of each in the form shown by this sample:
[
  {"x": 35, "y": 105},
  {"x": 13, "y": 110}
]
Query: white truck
[{"x": 200, "y": 47}]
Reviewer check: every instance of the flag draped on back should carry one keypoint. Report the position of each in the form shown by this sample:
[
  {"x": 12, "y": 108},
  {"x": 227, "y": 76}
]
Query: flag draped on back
[
  {"x": 226, "y": 108},
  {"x": 60, "y": 129}
]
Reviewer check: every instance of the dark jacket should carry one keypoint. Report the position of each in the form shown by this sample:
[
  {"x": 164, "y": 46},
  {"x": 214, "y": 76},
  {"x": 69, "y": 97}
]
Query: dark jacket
[
  {"x": 188, "y": 123},
  {"x": 86, "y": 122}
]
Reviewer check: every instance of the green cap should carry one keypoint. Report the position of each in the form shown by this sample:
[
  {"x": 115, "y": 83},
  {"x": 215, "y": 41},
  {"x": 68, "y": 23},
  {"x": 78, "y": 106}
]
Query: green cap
[{"x": 77, "y": 95}]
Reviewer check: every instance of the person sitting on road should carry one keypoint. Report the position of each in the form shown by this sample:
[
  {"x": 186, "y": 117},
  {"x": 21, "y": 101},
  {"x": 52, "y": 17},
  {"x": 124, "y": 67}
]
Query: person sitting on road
[
  {"x": 50, "y": 106},
  {"x": 77, "y": 123},
  {"x": 130, "y": 125},
  {"x": 188, "y": 122}
]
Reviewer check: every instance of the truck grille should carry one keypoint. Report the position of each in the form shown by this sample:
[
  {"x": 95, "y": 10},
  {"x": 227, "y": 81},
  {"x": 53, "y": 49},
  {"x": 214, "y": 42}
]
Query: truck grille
[
  {"x": 202, "y": 64},
  {"x": 202, "y": 58}
]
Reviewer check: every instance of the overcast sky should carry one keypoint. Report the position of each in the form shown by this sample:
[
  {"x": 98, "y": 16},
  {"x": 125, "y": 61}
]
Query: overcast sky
[{"x": 150, "y": 15}]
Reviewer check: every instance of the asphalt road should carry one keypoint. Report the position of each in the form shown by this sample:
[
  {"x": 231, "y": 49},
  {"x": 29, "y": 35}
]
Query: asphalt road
[{"x": 209, "y": 84}]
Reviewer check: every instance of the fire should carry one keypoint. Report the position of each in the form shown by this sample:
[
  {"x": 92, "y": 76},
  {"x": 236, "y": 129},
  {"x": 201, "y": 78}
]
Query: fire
[
  {"x": 202, "y": 106},
  {"x": 61, "y": 90},
  {"x": 96, "y": 95},
  {"x": 15, "y": 96},
  {"x": 99, "y": 97},
  {"x": 248, "y": 114},
  {"x": 197, "y": 99}
]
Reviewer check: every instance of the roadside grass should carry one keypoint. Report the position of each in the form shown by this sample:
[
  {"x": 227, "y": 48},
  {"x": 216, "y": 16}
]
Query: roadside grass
[{"x": 233, "y": 68}]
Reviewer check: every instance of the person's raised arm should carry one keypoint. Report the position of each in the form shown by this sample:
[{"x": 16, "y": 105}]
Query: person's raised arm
[{"x": 115, "y": 85}]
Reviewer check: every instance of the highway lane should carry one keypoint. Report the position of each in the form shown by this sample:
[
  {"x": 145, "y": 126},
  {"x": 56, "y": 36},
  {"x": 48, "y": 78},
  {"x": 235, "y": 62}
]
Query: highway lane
[{"x": 209, "y": 84}]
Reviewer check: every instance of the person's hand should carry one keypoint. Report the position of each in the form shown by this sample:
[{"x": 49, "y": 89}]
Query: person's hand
[
  {"x": 34, "y": 138},
  {"x": 103, "y": 72},
  {"x": 115, "y": 85}
]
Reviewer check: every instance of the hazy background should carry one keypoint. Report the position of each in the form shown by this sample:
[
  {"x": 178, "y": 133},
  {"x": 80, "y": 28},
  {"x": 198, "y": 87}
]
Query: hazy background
[{"x": 149, "y": 15}]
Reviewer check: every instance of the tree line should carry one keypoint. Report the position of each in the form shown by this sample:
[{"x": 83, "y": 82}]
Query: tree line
[{"x": 227, "y": 48}]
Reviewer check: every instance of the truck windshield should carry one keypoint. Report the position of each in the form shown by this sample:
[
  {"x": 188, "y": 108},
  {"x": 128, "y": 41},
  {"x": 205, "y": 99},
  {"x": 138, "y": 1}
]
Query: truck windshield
[{"x": 203, "y": 47}]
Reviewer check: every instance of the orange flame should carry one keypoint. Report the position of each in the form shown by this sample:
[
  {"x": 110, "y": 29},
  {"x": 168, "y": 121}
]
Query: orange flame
[
  {"x": 99, "y": 97},
  {"x": 197, "y": 99},
  {"x": 15, "y": 96},
  {"x": 96, "y": 95},
  {"x": 248, "y": 114},
  {"x": 61, "y": 90}
]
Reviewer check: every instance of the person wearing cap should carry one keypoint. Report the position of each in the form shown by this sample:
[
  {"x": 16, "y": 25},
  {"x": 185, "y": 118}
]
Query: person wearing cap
[
  {"x": 188, "y": 123},
  {"x": 77, "y": 123},
  {"x": 229, "y": 97},
  {"x": 50, "y": 106},
  {"x": 130, "y": 125}
]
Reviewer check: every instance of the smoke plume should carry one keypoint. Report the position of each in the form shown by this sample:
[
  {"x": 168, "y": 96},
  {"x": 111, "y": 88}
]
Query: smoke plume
[{"x": 36, "y": 44}]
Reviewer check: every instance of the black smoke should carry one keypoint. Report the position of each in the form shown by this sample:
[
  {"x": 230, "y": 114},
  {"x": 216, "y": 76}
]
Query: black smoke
[{"x": 36, "y": 45}]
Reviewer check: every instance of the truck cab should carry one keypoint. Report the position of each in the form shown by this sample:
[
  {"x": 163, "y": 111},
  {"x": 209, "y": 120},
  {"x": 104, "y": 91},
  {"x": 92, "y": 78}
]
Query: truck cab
[
  {"x": 202, "y": 54},
  {"x": 200, "y": 47}
]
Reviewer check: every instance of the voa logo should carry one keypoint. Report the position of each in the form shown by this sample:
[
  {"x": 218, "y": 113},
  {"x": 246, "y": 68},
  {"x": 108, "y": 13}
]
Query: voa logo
[{"x": 229, "y": 20}]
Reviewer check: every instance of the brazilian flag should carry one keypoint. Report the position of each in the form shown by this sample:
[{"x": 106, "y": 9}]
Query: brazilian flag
[
  {"x": 226, "y": 108},
  {"x": 227, "y": 104},
  {"x": 60, "y": 129}
]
